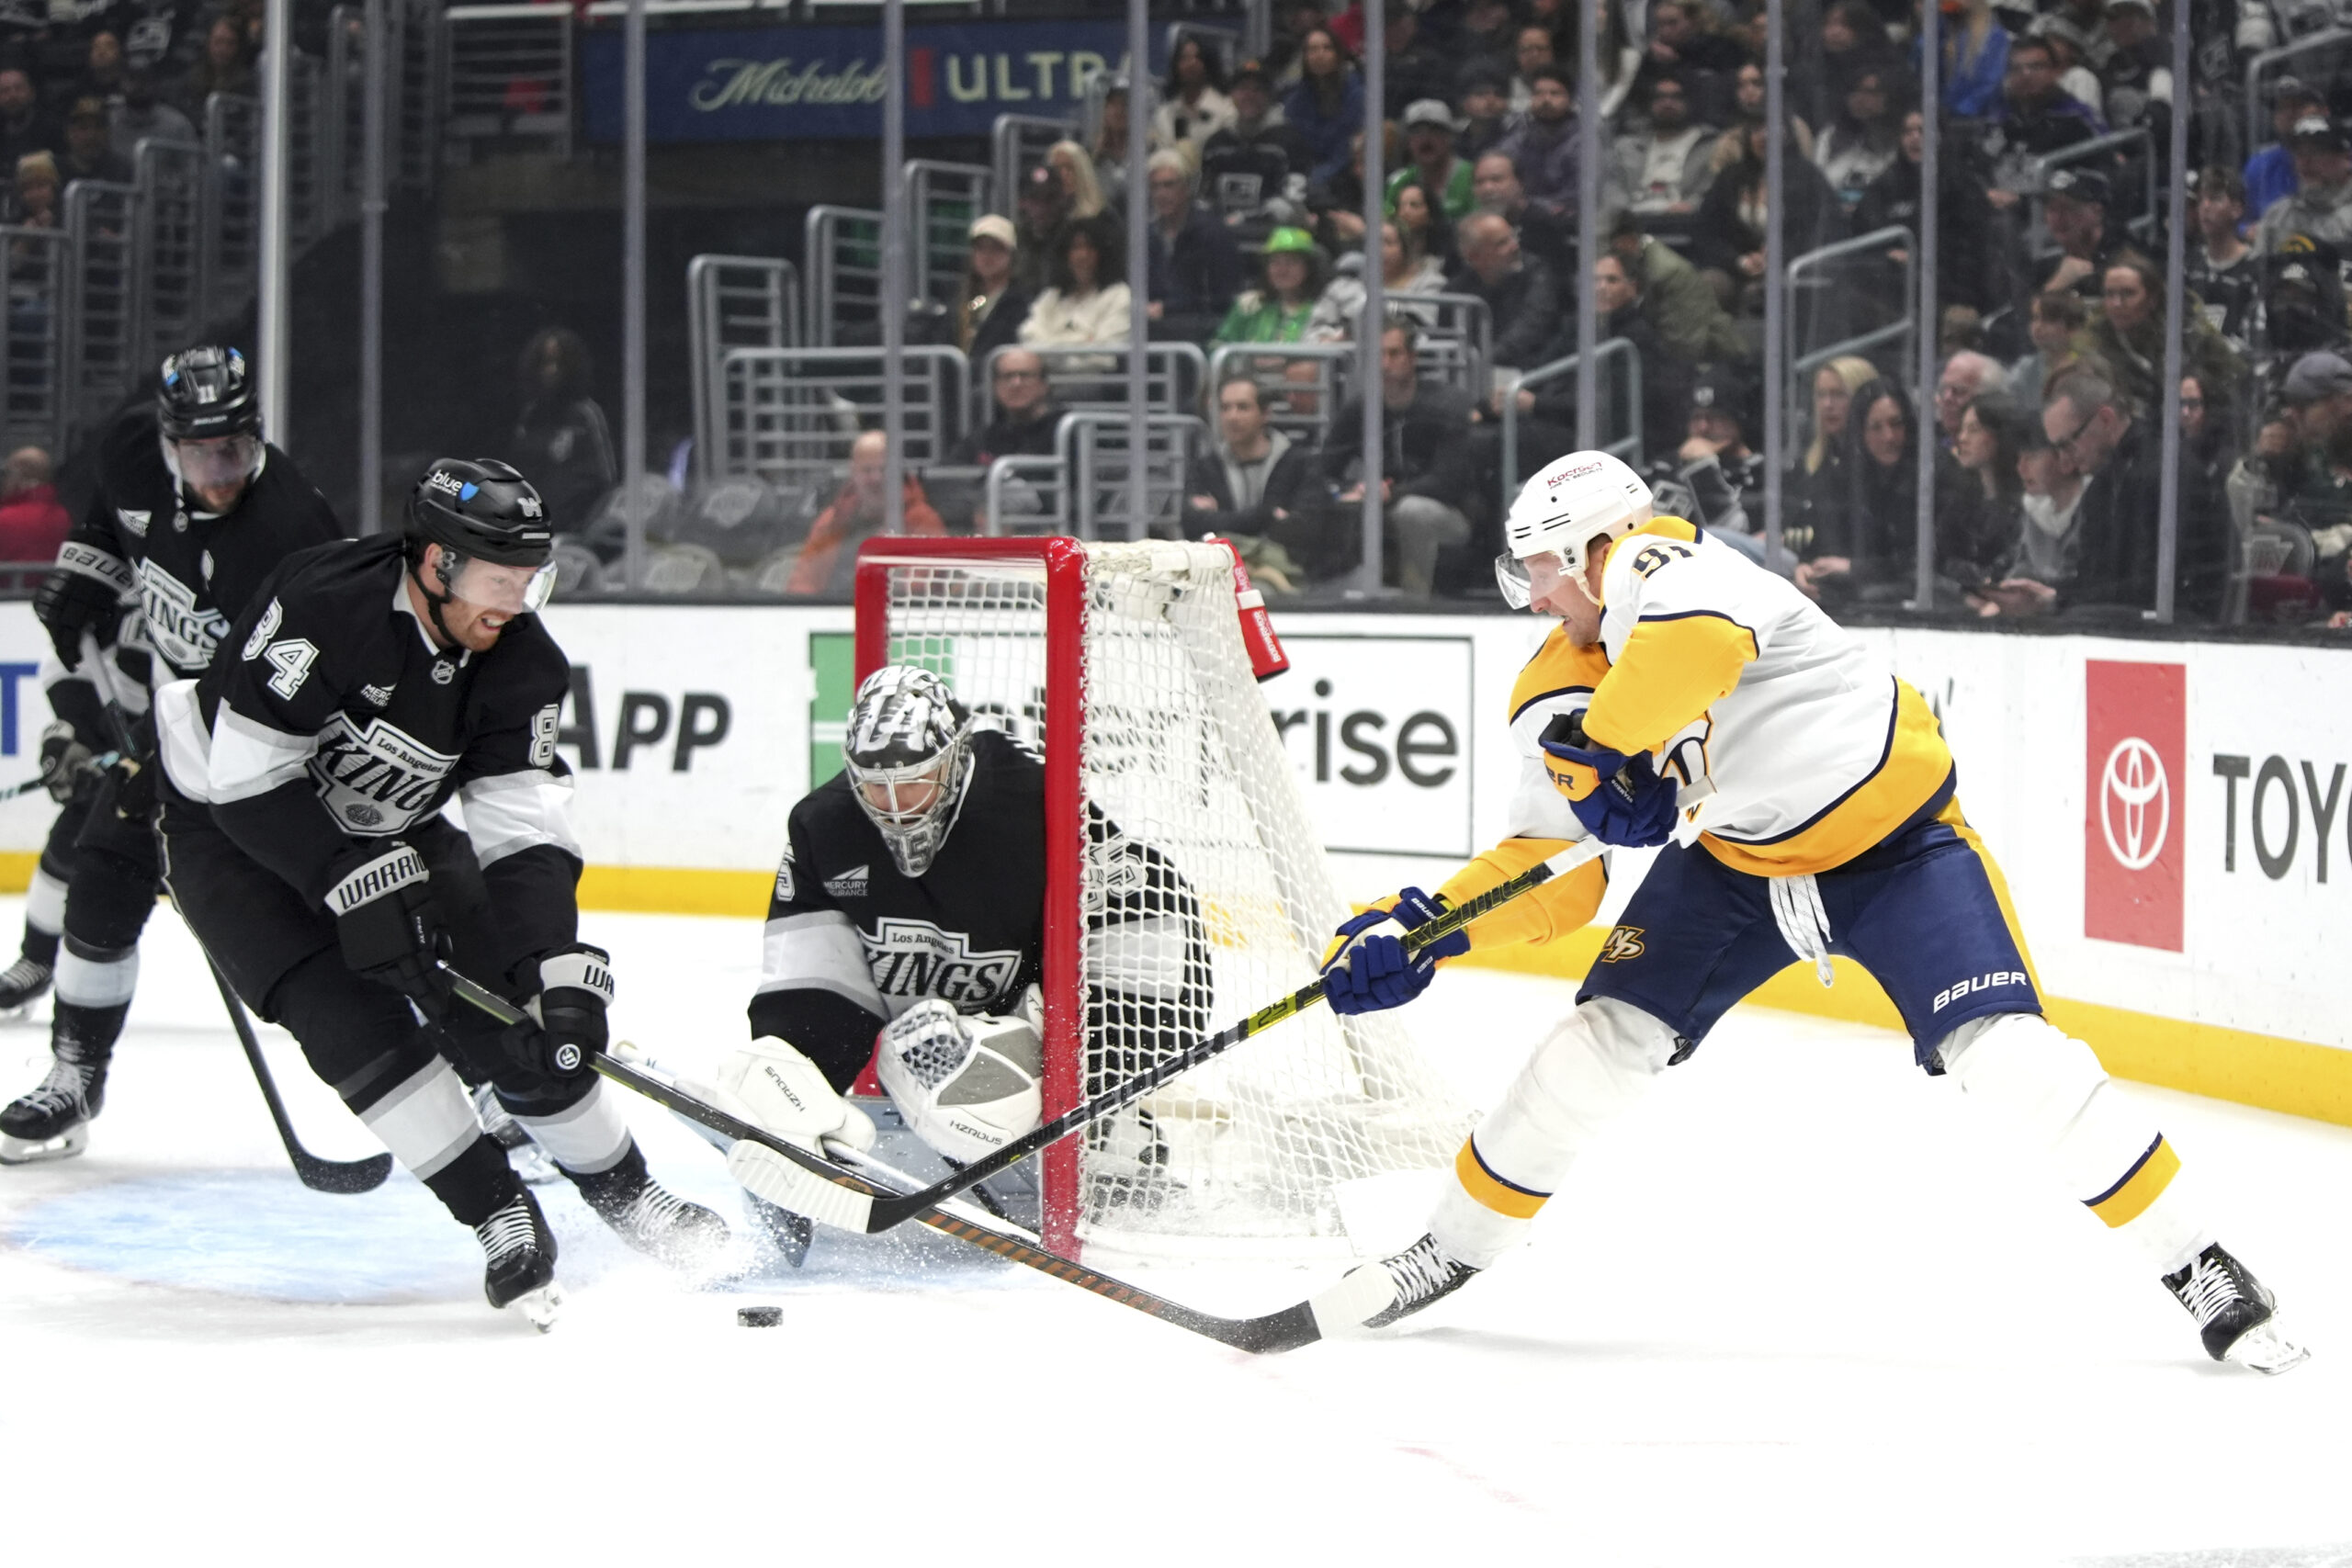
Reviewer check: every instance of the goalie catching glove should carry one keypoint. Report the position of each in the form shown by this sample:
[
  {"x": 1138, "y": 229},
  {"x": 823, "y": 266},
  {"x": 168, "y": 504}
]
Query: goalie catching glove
[
  {"x": 771, "y": 1085},
  {"x": 1366, "y": 969},
  {"x": 966, "y": 1085}
]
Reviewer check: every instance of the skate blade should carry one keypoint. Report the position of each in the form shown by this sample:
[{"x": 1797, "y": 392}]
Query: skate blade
[
  {"x": 21, "y": 1151},
  {"x": 541, "y": 1307},
  {"x": 2263, "y": 1348}
]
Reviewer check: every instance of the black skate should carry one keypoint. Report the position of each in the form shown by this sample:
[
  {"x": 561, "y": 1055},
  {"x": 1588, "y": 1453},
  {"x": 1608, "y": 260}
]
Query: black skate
[
  {"x": 498, "y": 1125},
  {"x": 520, "y": 1250},
  {"x": 2235, "y": 1315},
  {"x": 53, "y": 1121},
  {"x": 1377, "y": 1294},
  {"x": 24, "y": 983},
  {"x": 657, "y": 1221}
]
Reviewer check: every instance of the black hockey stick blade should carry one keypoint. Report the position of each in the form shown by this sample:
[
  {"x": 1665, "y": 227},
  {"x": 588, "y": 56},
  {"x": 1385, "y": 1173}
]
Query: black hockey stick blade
[
  {"x": 97, "y": 764},
  {"x": 1283, "y": 1330},
  {"x": 318, "y": 1175}
]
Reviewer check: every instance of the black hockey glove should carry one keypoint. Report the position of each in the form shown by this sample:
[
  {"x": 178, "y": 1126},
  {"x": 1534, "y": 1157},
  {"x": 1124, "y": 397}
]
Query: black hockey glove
[
  {"x": 575, "y": 987},
  {"x": 64, "y": 761},
  {"x": 381, "y": 899},
  {"x": 81, "y": 596},
  {"x": 135, "y": 772}
]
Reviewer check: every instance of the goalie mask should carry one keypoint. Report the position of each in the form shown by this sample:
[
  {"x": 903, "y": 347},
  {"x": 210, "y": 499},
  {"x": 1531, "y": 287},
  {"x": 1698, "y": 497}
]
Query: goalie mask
[
  {"x": 966, "y": 1085},
  {"x": 909, "y": 758}
]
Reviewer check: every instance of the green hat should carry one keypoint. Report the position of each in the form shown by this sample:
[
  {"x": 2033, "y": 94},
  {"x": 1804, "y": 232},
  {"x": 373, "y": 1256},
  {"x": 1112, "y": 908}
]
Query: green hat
[{"x": 1283, "y": 240}]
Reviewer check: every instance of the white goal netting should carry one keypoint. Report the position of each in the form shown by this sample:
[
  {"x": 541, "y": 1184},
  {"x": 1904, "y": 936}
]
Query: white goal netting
[{"x": 1203, "y": 895}]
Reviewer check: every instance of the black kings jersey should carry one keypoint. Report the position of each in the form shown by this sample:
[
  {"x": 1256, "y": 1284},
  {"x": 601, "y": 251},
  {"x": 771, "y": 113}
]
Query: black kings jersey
[
  {"x": 851, "y": 944},
  {"x": 332, "y": 720},
  {"x": 194, "y": 571}
]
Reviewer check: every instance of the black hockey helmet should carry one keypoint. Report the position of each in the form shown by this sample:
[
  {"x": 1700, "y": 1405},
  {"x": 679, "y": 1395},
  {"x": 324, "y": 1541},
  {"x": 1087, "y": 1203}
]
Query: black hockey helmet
[
  {"x": 206, "y": 393},
  {"x": 484, "y": 510}
]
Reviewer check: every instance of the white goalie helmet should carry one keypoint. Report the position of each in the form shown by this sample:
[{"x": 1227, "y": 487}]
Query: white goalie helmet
[
  {"x": 909, "y": 757},
  {"x": 1568, "y": 505}
]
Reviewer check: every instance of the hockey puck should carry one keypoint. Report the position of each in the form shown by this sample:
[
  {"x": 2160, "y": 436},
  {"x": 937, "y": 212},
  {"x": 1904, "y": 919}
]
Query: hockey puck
[{"x": 758, "y": 1317}]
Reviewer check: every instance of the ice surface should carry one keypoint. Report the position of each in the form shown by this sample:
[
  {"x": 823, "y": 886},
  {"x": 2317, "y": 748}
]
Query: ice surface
[{"x": 1798, "y": 1310}]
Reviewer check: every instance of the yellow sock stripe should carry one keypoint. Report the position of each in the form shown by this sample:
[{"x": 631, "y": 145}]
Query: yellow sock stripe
[
  {"x": 2140, "y": 1185},
  {"x": 1492, "y": 1190}
]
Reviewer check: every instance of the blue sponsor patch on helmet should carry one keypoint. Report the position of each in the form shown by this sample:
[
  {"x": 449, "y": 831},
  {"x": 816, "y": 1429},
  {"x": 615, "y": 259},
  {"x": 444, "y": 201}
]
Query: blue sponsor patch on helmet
[{"x": 469, "y": 490}]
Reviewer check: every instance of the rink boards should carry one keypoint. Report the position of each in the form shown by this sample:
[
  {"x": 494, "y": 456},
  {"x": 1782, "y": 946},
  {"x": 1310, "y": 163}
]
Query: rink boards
[{"x": 2174, "y": 818}]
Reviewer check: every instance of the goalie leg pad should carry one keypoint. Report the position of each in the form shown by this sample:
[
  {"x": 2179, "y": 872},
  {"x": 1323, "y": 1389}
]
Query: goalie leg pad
[
  {"x": 2049, "y": 1094},
  {"x": 767, "y": 1174},
  {"x": 772, "y": 1085},
  {"x": 1595, "y": 1064}
]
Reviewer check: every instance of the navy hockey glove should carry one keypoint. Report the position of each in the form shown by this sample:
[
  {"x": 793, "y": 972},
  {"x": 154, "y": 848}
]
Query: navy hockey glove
[
  {"x": 64, "y": 761},
  {"x": 80, "y": 597},
  {"x": 1366, "y": 969},
  {"x": 385, "y": 916},
  {"x": 1620, "y": 800},
  {"x": 575, "y": 987}
]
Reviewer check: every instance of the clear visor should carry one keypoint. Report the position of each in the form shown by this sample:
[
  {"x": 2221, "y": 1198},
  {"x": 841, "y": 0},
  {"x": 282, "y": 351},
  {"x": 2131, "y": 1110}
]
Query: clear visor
[
  {"x": 503, "y": 590},
  {"x": 1524, "y": 582},
  {"x": 223, "y": 460}
]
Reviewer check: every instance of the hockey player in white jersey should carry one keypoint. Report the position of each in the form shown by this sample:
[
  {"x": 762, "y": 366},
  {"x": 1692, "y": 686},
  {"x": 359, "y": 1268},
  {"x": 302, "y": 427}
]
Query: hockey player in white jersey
[{"x": 1833, "y": 828}]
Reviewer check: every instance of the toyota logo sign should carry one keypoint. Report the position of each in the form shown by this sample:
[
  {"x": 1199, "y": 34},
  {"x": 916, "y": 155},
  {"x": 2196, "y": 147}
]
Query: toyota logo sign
[{"x": 2135, "y": 804}]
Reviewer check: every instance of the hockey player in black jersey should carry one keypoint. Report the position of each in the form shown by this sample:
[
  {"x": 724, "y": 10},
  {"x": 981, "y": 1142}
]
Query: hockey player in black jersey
[
  {"x": 368, "y": 683},
  {"x": 194, "y": 508},
  {"x": 908, "y": 927}
]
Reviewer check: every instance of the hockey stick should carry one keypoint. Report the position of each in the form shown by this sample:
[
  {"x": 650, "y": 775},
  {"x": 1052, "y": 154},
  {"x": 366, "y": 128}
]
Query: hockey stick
[
  {"x": 97, "y": 764},
  {"x": 878, "y": 1212},
  {"x": 1283, "y": 1330},
  {"x": 318, "y": 1175}
]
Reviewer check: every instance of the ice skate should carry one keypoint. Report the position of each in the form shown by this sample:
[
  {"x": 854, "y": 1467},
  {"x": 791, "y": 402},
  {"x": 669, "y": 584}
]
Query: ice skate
[
  {"x": 520, "y": 1271},
  {"x": 787, "y": 1232},
  {"x": 657, "y": 1223},
  {"x": 529, "y": 1160},
  {"x": 2236, "y": 1315},
  {"x": 53, "y": 1121},
  {"x": 1377, "y": 1294},
  {"x": 24, "y": 983}
]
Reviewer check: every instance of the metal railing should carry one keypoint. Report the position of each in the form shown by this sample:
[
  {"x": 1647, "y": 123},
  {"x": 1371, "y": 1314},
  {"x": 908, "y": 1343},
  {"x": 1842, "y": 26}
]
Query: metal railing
[
  {"x": 508, "y": 78},
  {"x": 103, "y": 336},
  {"x": 1017, "y": 142},
  {"x": 33, "y": 362},
  {"x": 231, "y": 227},
  {"x": 945, "y": 199},
  {"x": 1627, "y": 394},
  {"x": 169, "y": 260},
  {"x": 1457, "y": 338},
  {"x": 2268, "y": 60},
  {"x": 1294, "y": 405},
  {"x": 1103, "y": 470},
  {"x": 733, "y": 302},
  {"x": 1878, "y": 241},
  {"x": 844, "y": 254},
  {"x": 789, "y": 414},
  {"x": 1087, "y": 377}
]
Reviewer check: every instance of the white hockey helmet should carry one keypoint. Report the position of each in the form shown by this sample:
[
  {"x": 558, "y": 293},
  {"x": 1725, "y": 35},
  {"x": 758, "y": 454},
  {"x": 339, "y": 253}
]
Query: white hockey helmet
[{"x": 1571, "y": 503}]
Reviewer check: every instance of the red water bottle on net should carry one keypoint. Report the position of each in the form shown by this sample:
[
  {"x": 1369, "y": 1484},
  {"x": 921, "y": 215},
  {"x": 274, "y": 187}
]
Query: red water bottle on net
[{"x": 1267, "y": 659}]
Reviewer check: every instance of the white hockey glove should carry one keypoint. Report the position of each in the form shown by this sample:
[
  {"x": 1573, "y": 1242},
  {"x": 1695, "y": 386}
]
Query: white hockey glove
[
  {"x": 771, "y": 1085},
  {"x": 966, "y": 1085}
]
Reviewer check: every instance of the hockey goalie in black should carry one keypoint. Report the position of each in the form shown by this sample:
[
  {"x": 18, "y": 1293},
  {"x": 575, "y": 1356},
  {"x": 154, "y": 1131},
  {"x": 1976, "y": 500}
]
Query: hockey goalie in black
[
  {"x": 907, "y": 928},
  {"x": 303, "y": 841},
  {"x": 193, "y": 509}
]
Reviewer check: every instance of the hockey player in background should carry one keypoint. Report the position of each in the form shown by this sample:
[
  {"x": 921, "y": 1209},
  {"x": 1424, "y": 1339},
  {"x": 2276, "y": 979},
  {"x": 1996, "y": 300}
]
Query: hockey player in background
[
  {"x": 907, "y": 928},
  {"x": 1834, "y": 828},
  {"x": 194, "y": 508},
  {"x": 367, "y": 684}
]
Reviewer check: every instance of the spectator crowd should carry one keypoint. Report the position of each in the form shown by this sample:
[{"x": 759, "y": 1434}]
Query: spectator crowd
[{"x": 2046, "y": 418}]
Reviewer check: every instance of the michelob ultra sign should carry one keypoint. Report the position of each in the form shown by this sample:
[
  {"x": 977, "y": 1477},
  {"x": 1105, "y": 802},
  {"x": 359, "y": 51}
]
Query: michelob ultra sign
[{"x": 761, "y": 84}]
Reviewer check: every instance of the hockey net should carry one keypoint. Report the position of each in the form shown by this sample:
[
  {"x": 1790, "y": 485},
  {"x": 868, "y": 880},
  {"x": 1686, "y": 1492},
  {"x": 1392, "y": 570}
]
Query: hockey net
[{"x": 1185, "y": 890}]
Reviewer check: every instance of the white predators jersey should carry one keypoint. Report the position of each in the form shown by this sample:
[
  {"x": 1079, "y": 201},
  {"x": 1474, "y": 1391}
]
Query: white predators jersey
[{"x": 1730, "y": 677}]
